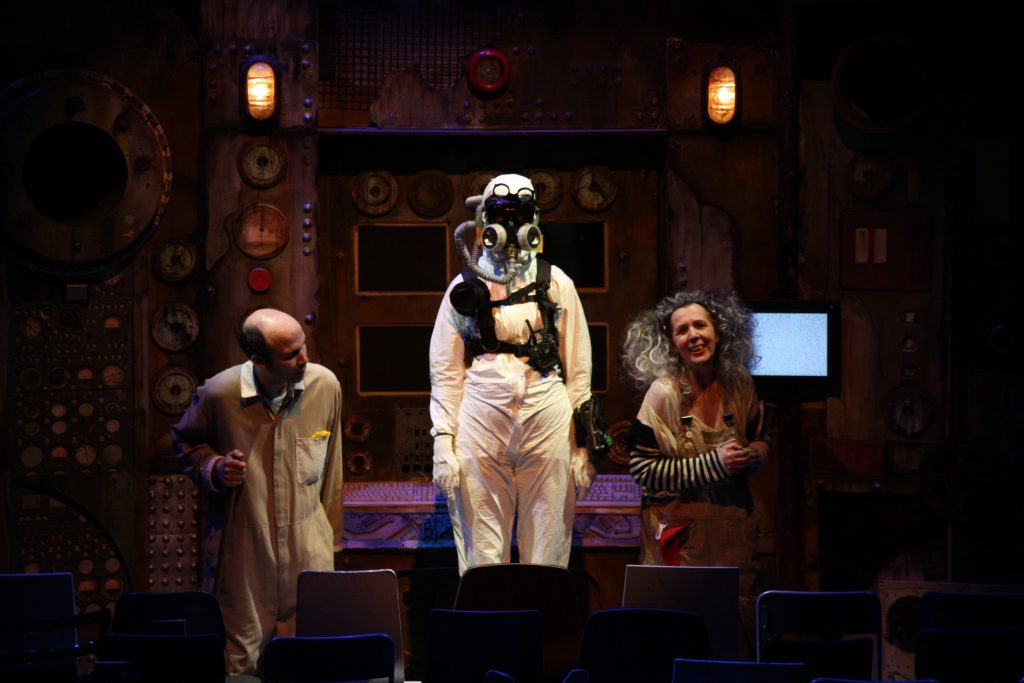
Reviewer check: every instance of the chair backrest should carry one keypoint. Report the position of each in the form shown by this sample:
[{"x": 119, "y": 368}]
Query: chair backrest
[
  {"x": 640, "y": 643},
  {"x": 969, "y": 655},
  {"x": 466, "y": 644},
  {"x": 940, "y": 609},
  {"x": 329, "y": 658},
  {"x": 37, "y": 596},
  {"x": 38, "y": 636},
  {"x": 166, "y": 658},
  {"x": 858, "y": 680},
  {"x": 347, "y": 603},
  {"x": 711, "y": 592},
  {"x": 186, "y": 613},
  {"x": 832, "y": 633},
  {"x": 716, "y": 671},
  {"x": 550, "y": 589}
]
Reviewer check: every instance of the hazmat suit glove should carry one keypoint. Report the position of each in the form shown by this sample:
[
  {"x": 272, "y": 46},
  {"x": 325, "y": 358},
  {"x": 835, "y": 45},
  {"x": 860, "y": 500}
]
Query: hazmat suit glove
[
  {"x": 446, "y": 465},
  {"x": 583, "y": 471}
]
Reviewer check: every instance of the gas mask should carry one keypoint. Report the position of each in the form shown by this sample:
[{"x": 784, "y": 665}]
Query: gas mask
[
  {"x": 510, "y": 216},
  {"x": 506, "y": 215}
]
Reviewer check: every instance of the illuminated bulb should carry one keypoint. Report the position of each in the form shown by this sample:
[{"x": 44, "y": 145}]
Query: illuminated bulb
[
  {"x": 721, "y": 95},
  {"x": 259, "y": 90}
]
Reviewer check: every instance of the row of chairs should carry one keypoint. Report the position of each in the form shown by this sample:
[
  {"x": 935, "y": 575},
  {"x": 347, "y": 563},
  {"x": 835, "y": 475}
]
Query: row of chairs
[{"x": 519, "y": 621}]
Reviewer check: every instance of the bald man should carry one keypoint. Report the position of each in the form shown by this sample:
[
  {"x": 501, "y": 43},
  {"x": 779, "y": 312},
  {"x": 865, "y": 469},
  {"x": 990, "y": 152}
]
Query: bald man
[{"x": 264, "y": 439}]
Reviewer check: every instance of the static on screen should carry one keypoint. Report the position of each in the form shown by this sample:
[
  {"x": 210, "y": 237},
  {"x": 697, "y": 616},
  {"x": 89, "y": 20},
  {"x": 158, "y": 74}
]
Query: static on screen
[{"x": 791, "y": 344}]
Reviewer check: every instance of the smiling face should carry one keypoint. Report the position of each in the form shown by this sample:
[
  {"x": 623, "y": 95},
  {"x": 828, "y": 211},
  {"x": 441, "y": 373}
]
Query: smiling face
[{"x": 694, "y": 336}]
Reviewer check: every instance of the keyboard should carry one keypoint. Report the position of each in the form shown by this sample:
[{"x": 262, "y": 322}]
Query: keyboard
[
  {"x": 608, "y": 490},
  {"x": 612, "y": 490}
]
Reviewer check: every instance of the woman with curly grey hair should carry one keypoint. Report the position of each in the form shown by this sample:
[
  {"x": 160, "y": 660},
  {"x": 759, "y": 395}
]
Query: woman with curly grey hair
[{"x": 698, "y": 435}]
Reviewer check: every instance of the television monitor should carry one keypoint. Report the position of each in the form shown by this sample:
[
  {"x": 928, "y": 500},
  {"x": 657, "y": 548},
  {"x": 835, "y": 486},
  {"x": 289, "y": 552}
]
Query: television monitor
[{"x": 796, "y": 349}]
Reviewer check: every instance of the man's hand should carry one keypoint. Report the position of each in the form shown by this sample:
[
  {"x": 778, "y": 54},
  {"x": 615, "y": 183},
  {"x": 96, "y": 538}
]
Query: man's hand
[
  {"x": 446, "y": 465},
  {"x": 582, "y": 471},
  {"x": 230, "y": 469}
]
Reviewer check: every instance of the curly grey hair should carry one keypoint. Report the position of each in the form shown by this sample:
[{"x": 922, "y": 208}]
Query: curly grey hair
[{"x": 648, "y": 353}]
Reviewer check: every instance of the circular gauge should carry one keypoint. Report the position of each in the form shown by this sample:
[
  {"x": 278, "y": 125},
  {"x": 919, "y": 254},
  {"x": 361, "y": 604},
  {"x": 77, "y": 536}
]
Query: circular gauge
[
  {"x": 473, "y": 185},
  {"x": 59, "y": 427},
  {"x": 30, "y": 328},
  {"x": 113, "y": 327},
  {"x": 175, "y": 327},
  {"x": 30, "y": 378},
  {"x": 173, "y": 262},
  {"x": 86, "y": 409},
  {"x": 58, "y": 377},
  {"x": 58, "y": 410},
  {"x": 909, "y": 411},
  {"x": 59, "y": 453},
  {"x": 85, "y": 455},
  {"x": 868, "y": 177},
  {"x": 431, "y": 194},
  {"x": 113, "y": 376},
  {"x": 32, "y": 457},
  {"x": 375, "y": 192},
  {"x": 173, "y": 390},
  {"x": 113, "y": 426},
  {"x": 85, "y": 375},
  {"x": 261, "y": 163},
  {"x": 547, "y": 188},
  {"x": 357, "y": 428},
  {"x": 261, "y": 231},
  {"x": 358, "y": 461},
  {"x": 594, "y": 189},
  {"x": 112, "y": 454},
  {"x": 59, "y": 219}
]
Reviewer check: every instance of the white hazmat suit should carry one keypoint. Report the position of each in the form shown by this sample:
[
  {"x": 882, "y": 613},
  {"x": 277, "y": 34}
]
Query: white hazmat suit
[{"x": 504, "y": 443}]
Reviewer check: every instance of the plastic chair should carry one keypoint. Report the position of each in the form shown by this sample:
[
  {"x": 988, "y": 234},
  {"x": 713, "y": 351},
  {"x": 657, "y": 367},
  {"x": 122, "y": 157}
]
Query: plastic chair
[
  {"x": 348, "y": 603},
  {"x": 465, "y": 645},
  {"x": 574, "y": 676},
  {"x": 187, "y": 613},
  {"x": 329, "y": 658},
  {"x": 941, "y": 609},
  {"x": 831, "y": 633},
  {"x": 970, "y": 655},
  {"x": 858, "y": 680},
  {"x": 39, "y": 630},
  {"x": 630, "y": 644},
  {"x": 716, "y": 671},
  {"x": 550, "y": 589},
  {"x": 167, "y": 658},
  {"x": 711, "y": 592}
]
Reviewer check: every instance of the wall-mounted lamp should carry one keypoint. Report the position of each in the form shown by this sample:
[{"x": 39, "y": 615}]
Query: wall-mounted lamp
[
  {"x": 260, "y": 92},
  {"x": 721, "y": 95}
]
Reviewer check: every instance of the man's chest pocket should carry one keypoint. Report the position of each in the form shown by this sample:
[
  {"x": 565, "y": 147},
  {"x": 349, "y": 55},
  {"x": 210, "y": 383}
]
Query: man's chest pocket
[{"x": 310, "y": 455}]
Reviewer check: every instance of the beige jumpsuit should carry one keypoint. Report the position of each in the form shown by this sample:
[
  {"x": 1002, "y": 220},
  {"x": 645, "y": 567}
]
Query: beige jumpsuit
[{"x": 285, "y": 518}]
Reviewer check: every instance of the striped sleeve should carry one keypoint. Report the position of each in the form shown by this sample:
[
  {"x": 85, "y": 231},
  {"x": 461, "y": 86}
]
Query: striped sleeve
[{"x": 653, "y": 471}]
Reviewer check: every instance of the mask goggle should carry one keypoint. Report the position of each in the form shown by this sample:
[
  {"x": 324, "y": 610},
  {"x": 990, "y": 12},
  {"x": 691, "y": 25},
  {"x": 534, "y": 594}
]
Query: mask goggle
[{"x": 512, "y": 214}]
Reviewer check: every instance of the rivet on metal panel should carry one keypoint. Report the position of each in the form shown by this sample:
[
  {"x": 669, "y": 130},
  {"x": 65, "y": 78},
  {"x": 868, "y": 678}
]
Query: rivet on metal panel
[
  {"x": 309, "y": 318},
  {"x": 515, "y": 50},
  {"x": 306, "y": 251},
  {"x": 307, "y": 223},
  {"x": 306, "y": 237},
  {"x": 307, "y": 207}
]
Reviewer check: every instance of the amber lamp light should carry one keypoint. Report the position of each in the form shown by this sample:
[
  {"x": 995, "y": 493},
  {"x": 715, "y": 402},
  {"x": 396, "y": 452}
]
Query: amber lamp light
[
  {"x": 721, "y": 95},
  {"x": 259, "y": 84}
]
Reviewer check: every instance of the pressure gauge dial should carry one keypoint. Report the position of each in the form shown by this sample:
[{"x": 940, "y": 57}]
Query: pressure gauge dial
[
  {"x": 594, "y": 189},
  {"x": 375, "y": 192},
  {"x": 261, "y": 231},
  {"x": 113, "y": 376},
  {"x": 173, "y": 390},
  {"x": 473, "y": 185},
  {"x": 30, "y": 328},
  {"x": 85, "y": 455},
  {"x": 174, "y": 262},
  {"x": 175, "y": 327},
  {"x": 431, "y": 193},
  {"x": 261, "y": 163},
  {"x": 547, "y": 188}
]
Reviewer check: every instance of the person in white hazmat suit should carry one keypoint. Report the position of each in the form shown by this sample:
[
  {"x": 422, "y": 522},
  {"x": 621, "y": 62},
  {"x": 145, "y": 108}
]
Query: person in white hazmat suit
[{"x": 510, "y": 361}]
